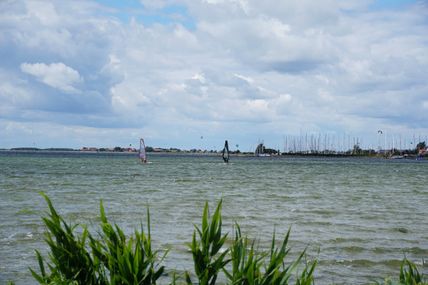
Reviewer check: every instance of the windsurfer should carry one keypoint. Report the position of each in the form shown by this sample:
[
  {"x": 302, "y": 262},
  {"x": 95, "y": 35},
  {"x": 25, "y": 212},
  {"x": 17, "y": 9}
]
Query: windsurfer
[
  {"x": 225, "y": 152},
  {"x": 142, "y": 152}
]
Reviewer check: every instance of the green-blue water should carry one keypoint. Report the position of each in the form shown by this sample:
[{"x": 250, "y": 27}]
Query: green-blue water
[{"x": 359, "y": 217}]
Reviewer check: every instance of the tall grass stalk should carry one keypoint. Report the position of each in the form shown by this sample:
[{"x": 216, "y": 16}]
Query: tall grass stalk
[
  {"x": 82, "y": 259},
  {"x": 246, "y": 263},
  {"x": 250, "y": 266},
  {"x": 409, "y": 275},
  {"x": 208, "y": 261},
  {"x": 69, "y": 257},
  {"x": 127, "y": 262}
]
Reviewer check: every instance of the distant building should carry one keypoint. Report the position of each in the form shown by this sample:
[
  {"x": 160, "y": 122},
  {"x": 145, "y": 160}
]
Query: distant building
[{"x": 89, "y": 148}]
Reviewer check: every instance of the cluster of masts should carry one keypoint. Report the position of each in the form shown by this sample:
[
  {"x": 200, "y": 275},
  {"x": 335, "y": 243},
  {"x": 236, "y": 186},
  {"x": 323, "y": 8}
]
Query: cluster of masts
[{"x": 328, "y": 143}]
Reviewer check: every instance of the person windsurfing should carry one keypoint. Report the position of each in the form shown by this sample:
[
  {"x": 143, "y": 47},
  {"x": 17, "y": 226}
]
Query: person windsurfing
[{"x": 225, "y": 152}]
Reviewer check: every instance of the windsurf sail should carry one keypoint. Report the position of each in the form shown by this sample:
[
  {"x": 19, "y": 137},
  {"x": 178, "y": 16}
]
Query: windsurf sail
[
  {"x": 142, "y": 152},
  {"x": 225, "y": 152},
  {"x": 259, "y": 150}
]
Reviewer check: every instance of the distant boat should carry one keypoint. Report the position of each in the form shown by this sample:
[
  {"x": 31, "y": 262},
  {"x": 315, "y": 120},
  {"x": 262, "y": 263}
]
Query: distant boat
[
  {"x": 142, "y": 151},
  {"x": 225, "y": 152},
  {"x": 260, "y": 151}
]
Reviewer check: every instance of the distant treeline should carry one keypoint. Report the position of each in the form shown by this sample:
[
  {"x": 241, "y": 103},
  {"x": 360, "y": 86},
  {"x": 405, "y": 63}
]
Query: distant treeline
[{"x": 43, "y": 149}]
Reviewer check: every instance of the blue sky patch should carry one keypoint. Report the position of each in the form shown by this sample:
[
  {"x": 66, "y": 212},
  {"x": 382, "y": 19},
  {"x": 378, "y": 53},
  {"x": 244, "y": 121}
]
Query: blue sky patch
[
  {"x": 171, "y": 14},
  {"x": 391, "y": 4}
]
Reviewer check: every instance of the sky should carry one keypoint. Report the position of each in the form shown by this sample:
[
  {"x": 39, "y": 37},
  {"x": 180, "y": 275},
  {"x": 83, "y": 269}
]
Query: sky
[{"x": 192, "y": 73}]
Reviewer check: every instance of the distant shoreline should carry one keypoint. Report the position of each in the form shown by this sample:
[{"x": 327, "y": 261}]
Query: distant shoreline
[
  {"x": 191, "y": 153},
  {"x": 90, "y": 152}
]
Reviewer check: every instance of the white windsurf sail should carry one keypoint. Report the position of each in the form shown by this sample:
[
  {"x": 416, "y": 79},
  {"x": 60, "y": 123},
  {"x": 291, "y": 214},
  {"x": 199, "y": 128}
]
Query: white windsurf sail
[{"x": 142, "y": 152}]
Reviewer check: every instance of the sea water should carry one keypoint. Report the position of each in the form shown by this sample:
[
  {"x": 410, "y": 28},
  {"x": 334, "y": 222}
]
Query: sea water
[{"x": 358, "y": 216}]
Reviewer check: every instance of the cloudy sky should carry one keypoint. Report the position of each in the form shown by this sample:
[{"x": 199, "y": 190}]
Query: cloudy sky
[{"x": 192, "y": 73}]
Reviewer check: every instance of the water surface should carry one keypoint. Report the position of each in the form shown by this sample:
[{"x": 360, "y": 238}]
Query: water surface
[{"x": 359, "y": 217}]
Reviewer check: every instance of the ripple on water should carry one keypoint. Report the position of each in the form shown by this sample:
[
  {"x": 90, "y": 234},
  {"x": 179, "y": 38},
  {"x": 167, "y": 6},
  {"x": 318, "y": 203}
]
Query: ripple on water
[{"x": 360, "y": 214}]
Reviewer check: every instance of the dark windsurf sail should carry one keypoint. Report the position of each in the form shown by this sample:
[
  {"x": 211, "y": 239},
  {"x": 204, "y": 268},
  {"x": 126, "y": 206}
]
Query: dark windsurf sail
[
  {"x": 225, "y": 152},
  {"x": 259, "y": 150}
]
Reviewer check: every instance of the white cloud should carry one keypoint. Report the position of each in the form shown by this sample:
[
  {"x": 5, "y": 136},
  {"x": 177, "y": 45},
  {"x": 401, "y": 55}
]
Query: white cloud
[
  {"x": 57, "y": 75},
  {"x": 241, "y": 67},
  {"x": 43, "y": 11}
]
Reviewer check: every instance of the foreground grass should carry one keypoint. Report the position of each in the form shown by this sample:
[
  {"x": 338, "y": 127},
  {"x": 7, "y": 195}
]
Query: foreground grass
[{"x": 112, "y": 258}]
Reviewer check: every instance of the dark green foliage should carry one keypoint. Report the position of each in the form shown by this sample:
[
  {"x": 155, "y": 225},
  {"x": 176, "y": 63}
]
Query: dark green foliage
[
  {"x": 70, "y": 259},
  {"x": 307, "y": 275},
  {"x": 81, "y": 259},
  {"x": 128, "y": 262},
  {"x": 115, "y": 259},
  {"x": 245, "y": 263},
  {"x": 250, "y": 267},
  {"x": 409, "y": 275},
  {"x": 205, "y": 250}
]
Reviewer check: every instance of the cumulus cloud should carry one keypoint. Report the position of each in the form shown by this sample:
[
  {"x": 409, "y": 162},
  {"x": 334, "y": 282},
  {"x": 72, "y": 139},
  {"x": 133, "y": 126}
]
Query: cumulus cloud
[
  {"x": 241, "y": 67},
  {"x": 57, "y": 75}
]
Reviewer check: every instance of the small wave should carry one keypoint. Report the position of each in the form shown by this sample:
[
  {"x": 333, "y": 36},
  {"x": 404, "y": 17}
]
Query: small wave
[
  {"x": 26, "y": 211},
  {"x": 366, "y": 263},
  {"x": 401, "y": 230},
  {"x": 354, "y": 249},
  {"x": 347, "y": 240},
  {"x": 184, "y": 180}
]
